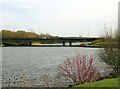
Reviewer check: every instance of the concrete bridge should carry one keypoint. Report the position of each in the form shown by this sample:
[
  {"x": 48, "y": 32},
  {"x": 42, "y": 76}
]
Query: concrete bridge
[{"x": 62, "y": 40}]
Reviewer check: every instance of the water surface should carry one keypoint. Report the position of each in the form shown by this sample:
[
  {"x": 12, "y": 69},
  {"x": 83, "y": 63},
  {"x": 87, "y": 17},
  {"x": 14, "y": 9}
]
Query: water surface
[{"x": 36, "y": 61}]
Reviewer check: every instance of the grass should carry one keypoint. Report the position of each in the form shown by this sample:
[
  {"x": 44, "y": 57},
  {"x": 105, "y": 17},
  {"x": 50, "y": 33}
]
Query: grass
[
  {"x": 96, "y": 43},
  {"x": 99, "y": 84}
]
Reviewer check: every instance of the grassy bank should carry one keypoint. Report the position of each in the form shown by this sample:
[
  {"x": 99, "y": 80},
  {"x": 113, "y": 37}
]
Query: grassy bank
[{"x": 102, "y": 83}]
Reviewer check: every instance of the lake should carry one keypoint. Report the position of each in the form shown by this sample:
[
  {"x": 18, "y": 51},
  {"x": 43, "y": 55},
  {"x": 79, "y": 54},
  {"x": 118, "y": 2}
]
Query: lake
[{"x": 37, "y": 61}]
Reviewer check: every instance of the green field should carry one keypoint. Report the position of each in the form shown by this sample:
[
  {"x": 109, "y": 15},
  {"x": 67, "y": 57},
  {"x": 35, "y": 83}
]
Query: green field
[{"x": 102, "y": 83}]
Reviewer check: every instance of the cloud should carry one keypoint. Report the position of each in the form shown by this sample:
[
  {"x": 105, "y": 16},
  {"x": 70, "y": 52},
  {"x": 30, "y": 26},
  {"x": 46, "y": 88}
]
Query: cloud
[
  {"x": 89, "y": 12},
  {"x": 22, "y": 5},
  {"x": 16, "y": 5},
  {"x": 56, "y": 16}
]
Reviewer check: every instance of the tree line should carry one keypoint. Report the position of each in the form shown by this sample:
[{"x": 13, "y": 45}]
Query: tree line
[{"x": 23, "y": 34}]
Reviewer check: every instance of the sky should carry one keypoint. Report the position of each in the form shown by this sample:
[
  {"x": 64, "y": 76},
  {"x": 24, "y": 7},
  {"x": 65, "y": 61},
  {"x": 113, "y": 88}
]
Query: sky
[{"x": 91, "y": 18}]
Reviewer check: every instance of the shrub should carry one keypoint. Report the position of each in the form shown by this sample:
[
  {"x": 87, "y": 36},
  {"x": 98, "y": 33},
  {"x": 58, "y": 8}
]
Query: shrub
[
  {"x": 78, "y": 70},
  {"x": 110, "y": 52}
]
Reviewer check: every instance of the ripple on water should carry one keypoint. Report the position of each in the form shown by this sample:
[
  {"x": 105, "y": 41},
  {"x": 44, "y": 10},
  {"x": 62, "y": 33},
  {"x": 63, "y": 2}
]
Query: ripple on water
[{"x": 37, "y": 61}]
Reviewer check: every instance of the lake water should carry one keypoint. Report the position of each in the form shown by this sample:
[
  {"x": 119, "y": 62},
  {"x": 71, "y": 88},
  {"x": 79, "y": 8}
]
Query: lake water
[{"x": 37, "y": 61}]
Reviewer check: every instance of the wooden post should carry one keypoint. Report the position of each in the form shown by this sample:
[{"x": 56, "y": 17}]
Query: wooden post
[
  {"x": 70, "y": 43},
  {"x": 30, "y": 43},
  {"x": 63, "y": 43}
]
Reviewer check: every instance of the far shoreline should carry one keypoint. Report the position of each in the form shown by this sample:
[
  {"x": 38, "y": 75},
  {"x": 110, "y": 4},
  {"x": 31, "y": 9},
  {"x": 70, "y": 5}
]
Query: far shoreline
[{"x": 55, "y": 46}]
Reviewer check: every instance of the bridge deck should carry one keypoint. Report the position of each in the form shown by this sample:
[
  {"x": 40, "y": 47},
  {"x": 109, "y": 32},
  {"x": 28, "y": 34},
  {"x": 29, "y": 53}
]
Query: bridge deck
[{"x": 59, "y": 40}]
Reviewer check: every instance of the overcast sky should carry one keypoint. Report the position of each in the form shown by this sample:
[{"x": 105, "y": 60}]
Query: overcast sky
[{"x": 60, "y": 17}]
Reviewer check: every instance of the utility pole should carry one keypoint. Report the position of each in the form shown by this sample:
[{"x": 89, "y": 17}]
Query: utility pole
[
  {"x": 39, "y": 31},
  {"x": 119, "y": 16},
  {"x": 88, "y": 30},
  {"x": 81, "y": 33}
]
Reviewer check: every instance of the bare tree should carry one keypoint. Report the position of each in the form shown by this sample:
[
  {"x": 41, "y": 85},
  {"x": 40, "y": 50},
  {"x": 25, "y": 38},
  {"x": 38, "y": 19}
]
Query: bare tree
[{"x": 110, "y": 52}]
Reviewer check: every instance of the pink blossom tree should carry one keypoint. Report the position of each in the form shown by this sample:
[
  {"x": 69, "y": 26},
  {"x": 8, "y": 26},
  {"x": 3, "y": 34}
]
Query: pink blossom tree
[{"x": 78, "y": 70}]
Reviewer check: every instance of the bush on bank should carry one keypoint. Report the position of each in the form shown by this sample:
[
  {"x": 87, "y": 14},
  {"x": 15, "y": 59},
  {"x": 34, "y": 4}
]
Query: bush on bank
[{"x": 110, "y": 52}]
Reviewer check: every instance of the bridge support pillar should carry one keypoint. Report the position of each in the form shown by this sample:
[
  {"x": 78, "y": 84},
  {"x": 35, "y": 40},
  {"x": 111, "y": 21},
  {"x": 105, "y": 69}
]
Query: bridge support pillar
[
  {"x": 70, "y": 43},
  {"x": 30, "y": 43},
  {"x": 63, "y": 43}
]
